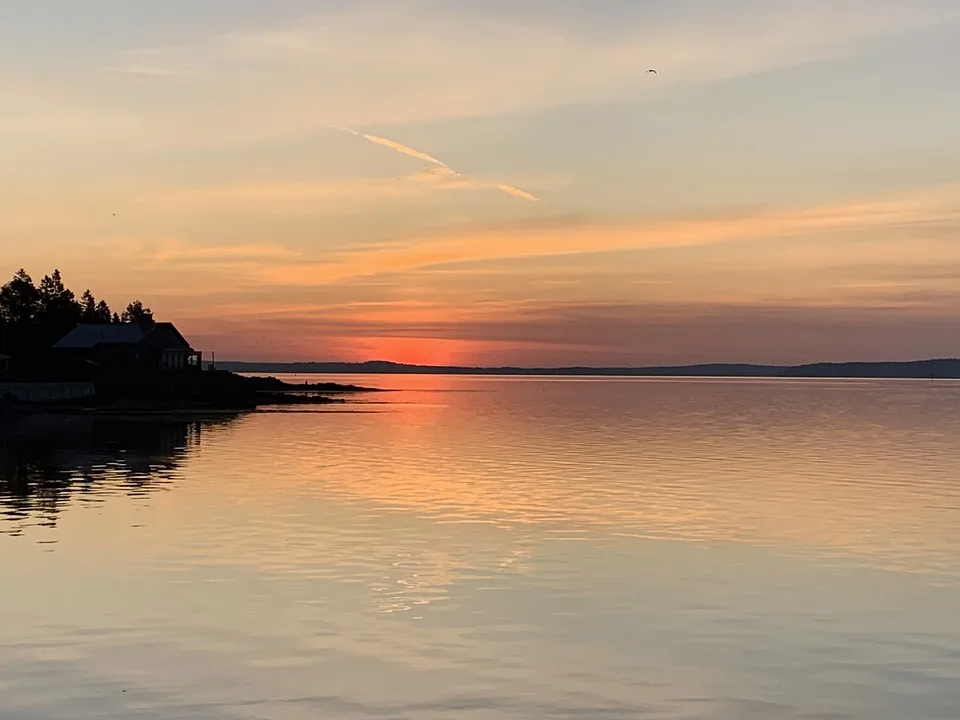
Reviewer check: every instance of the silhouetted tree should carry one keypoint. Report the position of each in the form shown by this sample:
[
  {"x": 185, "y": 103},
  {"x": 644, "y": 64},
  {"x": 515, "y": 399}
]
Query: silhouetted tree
[
  {"x": 135, "y": 312},
  {"x": 19, "y": 299},
  {"x": 53, "y": 291},
  {"x": 59, "y": 310},
  {"x": 93, "y": 311},
  {"x": 35, "y": 317},
  {"x": 88, "y": 304},
  {"x": 103, "y": 312}
]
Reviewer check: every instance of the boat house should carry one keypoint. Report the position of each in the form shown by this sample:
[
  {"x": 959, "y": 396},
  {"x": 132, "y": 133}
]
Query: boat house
[{"x": 139, "y": 347}]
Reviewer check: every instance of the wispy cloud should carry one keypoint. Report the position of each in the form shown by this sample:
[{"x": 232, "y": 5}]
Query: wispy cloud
[
  {"x": 871, "y": 276},
  {"x": 263, "y": 195},
  {"x": 410, "y": 63},
  {"x": 444, "y": 177},
  {"x": 176, "y": 251},
  {"x": 151, "y": 71},
  {"x": 919, "y": 210},
  {"x": 629, "y": 333},
  {"x": 440, "y": 174}
]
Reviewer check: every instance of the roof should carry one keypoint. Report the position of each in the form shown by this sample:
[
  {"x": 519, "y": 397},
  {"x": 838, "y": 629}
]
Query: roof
[{"x": 90, "y": 336}]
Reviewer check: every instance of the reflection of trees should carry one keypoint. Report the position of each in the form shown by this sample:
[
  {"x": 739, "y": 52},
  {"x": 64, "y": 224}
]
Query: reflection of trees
[{"x": 47, "y": 462}]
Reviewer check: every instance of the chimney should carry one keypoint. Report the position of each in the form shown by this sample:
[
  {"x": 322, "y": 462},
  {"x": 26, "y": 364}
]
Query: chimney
[{"x": 146, "y": 321}]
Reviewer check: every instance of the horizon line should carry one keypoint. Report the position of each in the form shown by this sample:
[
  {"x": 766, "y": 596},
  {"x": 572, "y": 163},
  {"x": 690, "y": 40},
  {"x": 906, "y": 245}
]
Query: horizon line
[
  {"x": 336, "y": 366},
  {"x": 682, "y": 366}
]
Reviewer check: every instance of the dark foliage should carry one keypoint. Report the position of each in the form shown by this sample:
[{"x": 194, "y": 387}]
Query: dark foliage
[
  {"x": 93, "y": 311},
  {"x": 135, "y": 312},
  {"x": 34, "y": 317}
]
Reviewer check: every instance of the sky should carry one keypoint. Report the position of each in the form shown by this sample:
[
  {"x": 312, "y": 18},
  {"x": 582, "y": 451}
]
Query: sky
[{"x": 492, "y": 182}]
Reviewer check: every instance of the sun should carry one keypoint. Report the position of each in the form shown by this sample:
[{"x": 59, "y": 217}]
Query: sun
[{"x": 414, "y": 351}]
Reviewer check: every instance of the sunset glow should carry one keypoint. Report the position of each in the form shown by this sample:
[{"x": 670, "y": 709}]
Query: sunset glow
[{"x": 479, "y": 183}]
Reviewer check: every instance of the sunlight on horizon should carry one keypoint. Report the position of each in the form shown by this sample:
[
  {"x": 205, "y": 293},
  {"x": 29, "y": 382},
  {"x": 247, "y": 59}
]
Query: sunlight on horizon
[{"x": 329, "y": 181}]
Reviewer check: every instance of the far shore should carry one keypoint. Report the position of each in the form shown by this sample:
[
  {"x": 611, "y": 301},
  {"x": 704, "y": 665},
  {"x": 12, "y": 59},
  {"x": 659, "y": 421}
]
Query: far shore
[{"x": 941, "y": 368}]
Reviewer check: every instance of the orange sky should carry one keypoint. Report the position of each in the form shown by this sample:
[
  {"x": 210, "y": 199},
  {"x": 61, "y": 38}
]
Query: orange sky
[{"x": 517, "y": 191}]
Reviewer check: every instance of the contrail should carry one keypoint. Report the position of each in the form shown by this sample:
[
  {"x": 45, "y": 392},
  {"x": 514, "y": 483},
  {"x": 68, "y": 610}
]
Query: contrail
[
  {"x": 404, "y": 149},
  {"x": 391, "y": 144},
  {"x": 446, "y": 172},
  {"x": 451, "y": 178},
  {"x": 517, "y": 192},
  {"x": 345, "y": 129}
]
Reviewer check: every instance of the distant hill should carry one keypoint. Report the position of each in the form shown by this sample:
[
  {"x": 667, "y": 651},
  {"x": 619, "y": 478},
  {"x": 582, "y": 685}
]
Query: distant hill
[{"x": 946, "y": 368}]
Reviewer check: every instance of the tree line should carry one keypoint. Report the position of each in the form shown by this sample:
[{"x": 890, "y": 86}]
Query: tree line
[{"x": 35, "y": 316}]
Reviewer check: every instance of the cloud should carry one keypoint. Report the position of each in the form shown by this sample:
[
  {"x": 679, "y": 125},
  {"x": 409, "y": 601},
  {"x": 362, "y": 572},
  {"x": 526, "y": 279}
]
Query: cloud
[
  {"x": 414, "y": 62},
  {"x": 267, "y": 194},
  {"x": 639, "y": 332},
  {"x": 177, "y": 251},
  {"x": 440, "y": 173},
  {"x": 517, "y": 192},
  {"x": 403, "y": 149},
  {"x": 551, "y": 237},
  {"x": 869, "y": 277},
  {"x": 444, "y": 177},
  {"x": 293, "y": 197},
  {"x": 151, "y": 71}
]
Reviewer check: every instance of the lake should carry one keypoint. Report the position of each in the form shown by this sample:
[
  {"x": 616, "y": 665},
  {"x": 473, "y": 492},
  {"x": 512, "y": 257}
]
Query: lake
[{"x": 493, "y": 548}]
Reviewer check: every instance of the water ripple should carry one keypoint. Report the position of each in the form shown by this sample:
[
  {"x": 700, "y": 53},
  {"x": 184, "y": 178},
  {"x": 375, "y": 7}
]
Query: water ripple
[{"x": 474, "y": 548}]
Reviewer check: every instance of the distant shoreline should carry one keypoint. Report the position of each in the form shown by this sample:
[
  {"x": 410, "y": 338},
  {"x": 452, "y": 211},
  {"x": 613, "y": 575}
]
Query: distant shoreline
[{"x": 948, "y": 368}]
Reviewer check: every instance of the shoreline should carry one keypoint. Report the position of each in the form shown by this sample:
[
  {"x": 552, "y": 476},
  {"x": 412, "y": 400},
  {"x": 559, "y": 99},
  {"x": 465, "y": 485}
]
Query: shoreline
[{"x": 211, "y": 393}]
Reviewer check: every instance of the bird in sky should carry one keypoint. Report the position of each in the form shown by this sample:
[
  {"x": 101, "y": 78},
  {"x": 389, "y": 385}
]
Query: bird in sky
[{"x": 651, "y": 70}]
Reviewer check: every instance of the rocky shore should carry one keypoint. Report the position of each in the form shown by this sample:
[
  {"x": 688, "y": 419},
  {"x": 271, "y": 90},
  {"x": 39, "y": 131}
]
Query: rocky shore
[{"x": 209, "y": 391}]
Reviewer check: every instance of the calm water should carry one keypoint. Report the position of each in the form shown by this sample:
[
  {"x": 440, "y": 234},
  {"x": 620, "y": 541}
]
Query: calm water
[{"x": 488, "y": 548}]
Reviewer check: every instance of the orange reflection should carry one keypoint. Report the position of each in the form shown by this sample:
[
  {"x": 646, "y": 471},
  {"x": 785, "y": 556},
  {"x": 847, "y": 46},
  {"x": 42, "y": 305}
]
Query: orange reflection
[{"x": 515, "y": 455}]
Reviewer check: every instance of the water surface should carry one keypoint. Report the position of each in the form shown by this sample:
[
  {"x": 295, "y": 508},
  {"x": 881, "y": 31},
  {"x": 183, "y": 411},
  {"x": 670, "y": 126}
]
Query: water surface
[{"x": 493, "y": 548}]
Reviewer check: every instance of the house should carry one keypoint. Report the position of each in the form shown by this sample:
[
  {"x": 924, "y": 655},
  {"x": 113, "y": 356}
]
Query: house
[{"x": 144, "y": 346}]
